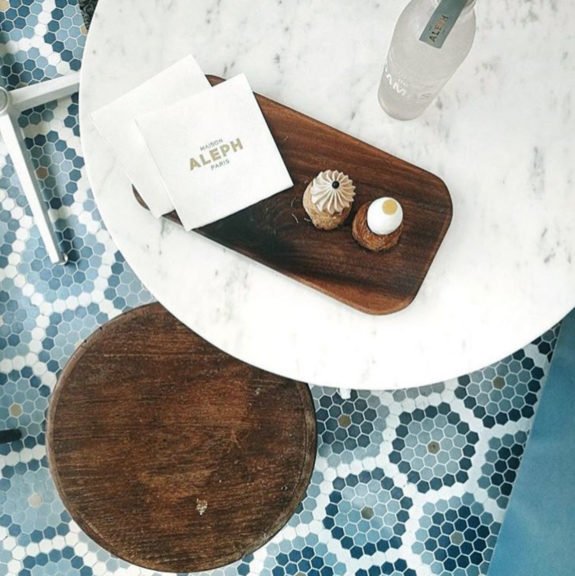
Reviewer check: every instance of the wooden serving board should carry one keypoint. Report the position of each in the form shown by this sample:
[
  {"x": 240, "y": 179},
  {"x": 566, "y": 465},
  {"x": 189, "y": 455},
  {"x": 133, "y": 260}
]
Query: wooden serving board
[
  {"x": 171, "y": 454},
  {"x": 278, "y": 233}
]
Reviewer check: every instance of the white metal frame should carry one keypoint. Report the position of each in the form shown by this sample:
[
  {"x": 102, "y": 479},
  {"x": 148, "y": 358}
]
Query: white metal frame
[{"x": 11, "y": 105}]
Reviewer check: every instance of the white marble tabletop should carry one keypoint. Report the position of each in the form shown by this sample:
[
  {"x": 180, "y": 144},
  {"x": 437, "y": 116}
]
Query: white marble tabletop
[{"x": 502, "y": 136}]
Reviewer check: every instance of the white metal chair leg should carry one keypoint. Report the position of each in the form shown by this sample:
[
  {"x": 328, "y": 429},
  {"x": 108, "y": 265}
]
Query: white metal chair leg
[
  {"x": 43, "y": 92},
  {"x": 11, "y": 104},
  {"x": 25, "y": 170}
]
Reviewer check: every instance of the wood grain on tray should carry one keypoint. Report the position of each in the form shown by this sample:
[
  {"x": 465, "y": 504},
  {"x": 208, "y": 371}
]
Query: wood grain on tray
[{"x": 277, "y": 231}]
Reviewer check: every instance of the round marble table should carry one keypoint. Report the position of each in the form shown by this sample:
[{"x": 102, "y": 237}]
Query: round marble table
[{"x": 500, "y": 135}]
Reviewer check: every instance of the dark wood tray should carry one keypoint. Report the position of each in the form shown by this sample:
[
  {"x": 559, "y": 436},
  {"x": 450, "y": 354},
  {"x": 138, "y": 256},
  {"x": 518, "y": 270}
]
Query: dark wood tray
[{"x": 277, "y": 232}]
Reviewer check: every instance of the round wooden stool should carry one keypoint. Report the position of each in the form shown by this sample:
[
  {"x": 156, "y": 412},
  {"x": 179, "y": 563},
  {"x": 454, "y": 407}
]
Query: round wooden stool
[{"x": 171, "y": 454}]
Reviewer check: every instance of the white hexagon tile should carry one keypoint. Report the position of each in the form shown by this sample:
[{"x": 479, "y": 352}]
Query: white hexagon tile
[{"x": 407, "y": 483}]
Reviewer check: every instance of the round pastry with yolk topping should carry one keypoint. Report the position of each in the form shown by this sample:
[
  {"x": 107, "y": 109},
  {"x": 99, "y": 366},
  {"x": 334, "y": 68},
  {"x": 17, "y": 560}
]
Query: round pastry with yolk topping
[{"x": 377, "y": 225}]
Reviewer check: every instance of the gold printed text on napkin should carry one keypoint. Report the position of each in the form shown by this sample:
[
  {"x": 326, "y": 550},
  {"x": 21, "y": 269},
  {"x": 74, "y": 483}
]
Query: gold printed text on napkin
[
  {"x": 208, "y": 173},
  {"x": 215, "y": 154}
]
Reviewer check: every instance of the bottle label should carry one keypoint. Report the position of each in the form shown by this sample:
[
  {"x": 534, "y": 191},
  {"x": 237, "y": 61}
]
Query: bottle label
[
  {"x": 442, "y": 21},
  {"x": 407, "y": 90}
]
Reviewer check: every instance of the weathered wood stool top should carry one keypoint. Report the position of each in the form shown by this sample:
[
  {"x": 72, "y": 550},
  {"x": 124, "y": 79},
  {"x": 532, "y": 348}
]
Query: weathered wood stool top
[{"x": 171, "y": 454}]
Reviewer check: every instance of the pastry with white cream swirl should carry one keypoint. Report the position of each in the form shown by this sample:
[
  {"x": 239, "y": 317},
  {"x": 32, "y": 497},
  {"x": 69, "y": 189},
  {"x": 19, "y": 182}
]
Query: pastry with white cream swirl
[{"x": 328, "y": 199}]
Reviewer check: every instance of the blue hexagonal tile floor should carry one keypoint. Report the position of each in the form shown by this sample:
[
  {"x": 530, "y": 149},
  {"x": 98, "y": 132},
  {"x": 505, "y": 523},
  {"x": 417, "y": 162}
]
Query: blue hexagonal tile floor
[{"x": 407, "y": 483}]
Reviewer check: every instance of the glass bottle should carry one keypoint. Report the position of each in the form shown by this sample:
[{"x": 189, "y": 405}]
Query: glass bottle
[{"x": 431, "y": 39}]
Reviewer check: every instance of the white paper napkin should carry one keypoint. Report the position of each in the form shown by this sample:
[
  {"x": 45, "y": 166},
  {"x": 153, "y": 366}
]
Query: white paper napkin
[
  {"x": 116, "y": 123},
  {"x": 215, "y": 152}
]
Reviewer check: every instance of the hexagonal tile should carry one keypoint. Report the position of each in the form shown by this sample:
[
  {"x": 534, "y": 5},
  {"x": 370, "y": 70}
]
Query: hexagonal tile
[
  {"x": 301, "y": 556},
  {"x": 502, "y": 462},
  {"x": 124, "y": 289},
  {"x": 84, "y": 252},
  {"x": 305, "y": 511},
  {"x": 30, "y": 507},
  {"x": 65, "y": 332},
  {"x": 457, "y": 537},
  {"x": 504, "y": 392},
  {"x": 239, "y": 568},
  {"x": 349, "y": 427},
  {"x": 433, "y": 447},
  {"x": 397, "y": 568},
  {"x": 19, "y": 18},
  {"x": 66, "y": 33},
  {"x": 546, "y": 342},
  {"x": 23, "y": 404},
  {"x": 367, "y": 513},
  {"x": 65, "y": 561}
]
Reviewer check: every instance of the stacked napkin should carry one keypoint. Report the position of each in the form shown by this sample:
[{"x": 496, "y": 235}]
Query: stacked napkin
[{"x": 204, "y": 152}]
